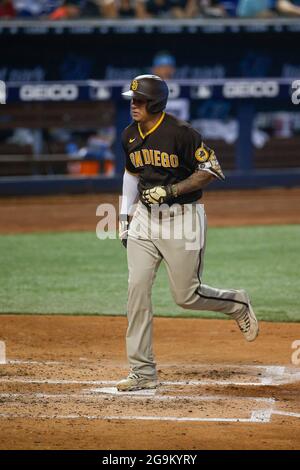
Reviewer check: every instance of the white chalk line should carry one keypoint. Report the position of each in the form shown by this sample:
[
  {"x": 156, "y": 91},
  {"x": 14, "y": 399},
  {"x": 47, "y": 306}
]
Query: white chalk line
[
  {"x": 263, "y": 416},
  {"x": 21, "y": 361},
  {"x": 260, "y": 416},
  {"x": 114, "y": 382},
  {"x": 286, "y": 413}
]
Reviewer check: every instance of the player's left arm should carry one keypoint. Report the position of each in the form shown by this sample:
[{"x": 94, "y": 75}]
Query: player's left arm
[
  {"x": 160, "y": 194},
  {"x": 198, "y": 180},
  {"x": 207, "y": 168},
  {"x": 203, "y": 164}
]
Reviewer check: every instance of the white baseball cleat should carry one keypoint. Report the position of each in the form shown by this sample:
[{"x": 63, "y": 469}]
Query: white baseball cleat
[
  {"x": 247, "y": 322},
  {"x": 136, "y": 382}
]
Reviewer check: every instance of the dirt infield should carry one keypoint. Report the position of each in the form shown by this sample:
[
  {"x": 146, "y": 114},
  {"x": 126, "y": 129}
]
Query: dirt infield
[
  {"x": 57, "y": 389},
  {"x": 223, "y": 208}
]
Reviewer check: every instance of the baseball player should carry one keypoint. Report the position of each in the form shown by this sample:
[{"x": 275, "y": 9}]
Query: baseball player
[{"x": 167, "y": 166}]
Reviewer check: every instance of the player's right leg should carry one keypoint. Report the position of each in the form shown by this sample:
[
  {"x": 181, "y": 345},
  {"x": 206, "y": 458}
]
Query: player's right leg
[{"x": 143, "y": 262}]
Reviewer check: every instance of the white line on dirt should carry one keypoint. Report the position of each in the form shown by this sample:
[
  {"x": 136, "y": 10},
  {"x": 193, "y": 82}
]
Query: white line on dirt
[
  {"x": 271, "y": 375},
  {"x": 222, "y": 383},
  {"x": 56, "y": 382},
  {"x": 114, "y": 382},
  {"x": 135, "y": 418},
  {"x": 20, "y": 361},
  {"x": 96, "y": 362},
  {"x": 171, "y": 382},
  {"x": 286, "y": 413},
  {"x": 114, "y": 391}
]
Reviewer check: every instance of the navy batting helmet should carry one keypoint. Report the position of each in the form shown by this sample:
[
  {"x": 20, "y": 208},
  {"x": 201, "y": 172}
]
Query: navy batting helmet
[{"x": 151, "y": 88}]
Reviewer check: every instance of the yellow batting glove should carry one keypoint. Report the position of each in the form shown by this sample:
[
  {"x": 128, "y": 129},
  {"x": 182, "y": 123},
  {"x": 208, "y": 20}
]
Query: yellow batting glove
[{"x": 159, "y": 194}]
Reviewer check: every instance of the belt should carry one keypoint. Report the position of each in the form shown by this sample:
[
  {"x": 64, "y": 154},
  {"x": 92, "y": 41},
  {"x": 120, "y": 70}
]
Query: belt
[{"x": 164, "y": 211}]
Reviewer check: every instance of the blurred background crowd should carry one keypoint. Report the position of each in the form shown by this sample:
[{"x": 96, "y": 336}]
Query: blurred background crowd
[
  {"x": 58, "y": 136},
  {"x": 142, "y": 9}
]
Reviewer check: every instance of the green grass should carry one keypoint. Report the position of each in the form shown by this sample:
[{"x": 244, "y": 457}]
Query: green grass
[{"x": 75, "y": 273}]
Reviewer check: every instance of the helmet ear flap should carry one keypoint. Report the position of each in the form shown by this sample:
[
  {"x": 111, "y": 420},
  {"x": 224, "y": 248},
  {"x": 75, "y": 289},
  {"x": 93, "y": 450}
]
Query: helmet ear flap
[
  {"x": 150, "y": 107},
  {"x": 155, "y": 106}
]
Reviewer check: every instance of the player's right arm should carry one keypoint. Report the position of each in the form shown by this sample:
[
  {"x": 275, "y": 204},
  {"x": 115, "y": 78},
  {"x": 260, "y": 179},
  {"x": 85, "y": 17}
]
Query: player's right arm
[
  {"x": 130, "y": 179},
  {"x": 129, "y": 195}
]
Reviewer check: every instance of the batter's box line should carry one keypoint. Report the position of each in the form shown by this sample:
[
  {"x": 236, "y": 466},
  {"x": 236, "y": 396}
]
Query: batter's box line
[
  {"x": 258, "y": 417},
  {"x": 168, "y": 383},
  {"x": 114, "y": 382}
]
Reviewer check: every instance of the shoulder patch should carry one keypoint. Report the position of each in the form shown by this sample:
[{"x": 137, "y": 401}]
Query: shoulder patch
[
  {"x": 208, "y": 161},
  {"x": 202, "y": 154}
]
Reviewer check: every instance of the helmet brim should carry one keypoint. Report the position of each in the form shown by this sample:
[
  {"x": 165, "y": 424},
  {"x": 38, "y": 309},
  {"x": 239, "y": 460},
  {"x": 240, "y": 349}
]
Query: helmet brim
[
  {"x": 134, "y": 94},
  {"x": 128, "y": 93}
]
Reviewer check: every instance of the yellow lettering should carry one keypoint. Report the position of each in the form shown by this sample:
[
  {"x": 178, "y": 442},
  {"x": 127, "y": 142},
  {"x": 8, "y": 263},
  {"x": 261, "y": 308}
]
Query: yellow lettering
[
  {"x": 165, "y": 159},
  {"x": 147, "y": 159},
  {"x": 157, "y": 158},
  {"x": 174, "y": 160},
  {"x": 132, "y": 159},
  {"x": 138, "y": 158},
  {"x": 151, "y": 156}
]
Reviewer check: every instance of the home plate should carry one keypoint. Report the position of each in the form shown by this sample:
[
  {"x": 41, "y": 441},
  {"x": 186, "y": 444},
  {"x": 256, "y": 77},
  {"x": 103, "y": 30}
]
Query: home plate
[{"x": 114, "y": 391}]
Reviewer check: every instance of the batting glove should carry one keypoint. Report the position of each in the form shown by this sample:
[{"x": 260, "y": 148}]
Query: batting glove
[{"x": 159, "y": 194}]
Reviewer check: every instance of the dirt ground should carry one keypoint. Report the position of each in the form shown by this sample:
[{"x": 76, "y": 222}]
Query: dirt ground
[
  {"x": 223, "y": 208},
  {"x": 57, "y": 388}
]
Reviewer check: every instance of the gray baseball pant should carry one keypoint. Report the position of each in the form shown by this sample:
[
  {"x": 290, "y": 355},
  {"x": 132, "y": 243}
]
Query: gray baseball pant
[{"x": 176, "y": 235}]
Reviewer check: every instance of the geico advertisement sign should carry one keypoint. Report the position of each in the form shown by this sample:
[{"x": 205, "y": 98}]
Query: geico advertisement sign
[
  {"x": 57, "y": 92},
  {"x": 253, "y": 89}
]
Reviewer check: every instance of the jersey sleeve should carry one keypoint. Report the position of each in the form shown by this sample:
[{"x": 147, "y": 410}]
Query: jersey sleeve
[
  {"x": 128, "y": 163},
  {"x": 197, "y": 155}
]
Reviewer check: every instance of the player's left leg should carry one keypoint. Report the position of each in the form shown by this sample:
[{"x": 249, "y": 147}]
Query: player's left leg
[{"x": 184, "y": 262}]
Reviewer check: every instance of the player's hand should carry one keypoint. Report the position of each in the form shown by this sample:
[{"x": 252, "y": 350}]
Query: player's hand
[
  {"x": 158, "y": 194},
  {"x": 123, "y": 228}
]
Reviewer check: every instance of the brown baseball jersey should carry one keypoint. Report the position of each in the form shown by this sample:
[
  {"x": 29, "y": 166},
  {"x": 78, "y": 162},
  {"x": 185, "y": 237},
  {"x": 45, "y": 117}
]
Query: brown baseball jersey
[{"x": 167, "y": 154}]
